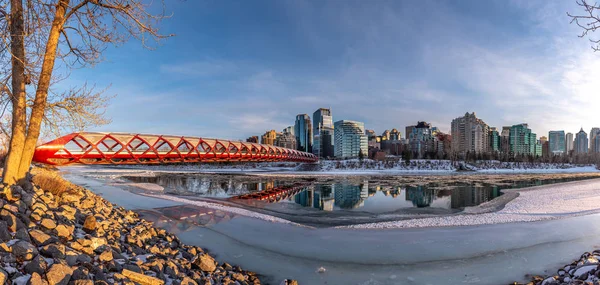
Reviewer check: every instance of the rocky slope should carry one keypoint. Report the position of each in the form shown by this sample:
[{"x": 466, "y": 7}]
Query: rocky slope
[{"x": 76, "y": 237}]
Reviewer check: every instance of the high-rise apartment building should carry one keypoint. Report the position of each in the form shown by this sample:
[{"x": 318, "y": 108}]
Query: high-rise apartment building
[
  {"x": 385, "y": 135},
  {"x": 269, "y": 137},
  {"x": 494, "y": 137},
  {"x": 395, "y": 135},
  {"x": 287, "y": 138},
  {"x": 581, "y": 142},
  {"x": 569, "y": 142},
  {"x": 505, "y": 140},
  {"x": 420, "y": 140},
  {"x": 556, "y": 141},
  {"x": 522, "y": 140},
  {"x": 303, "y": 133},
  {"x": 469, "y": 134},
  {"x": 323, "y": 133},
  {"x": 350, "y": 139}
]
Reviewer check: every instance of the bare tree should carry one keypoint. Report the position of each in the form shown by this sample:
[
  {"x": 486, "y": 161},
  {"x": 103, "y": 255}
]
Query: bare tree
[
  {"x": 40, "y": 41},
  {"x": 589, "y": 22}
]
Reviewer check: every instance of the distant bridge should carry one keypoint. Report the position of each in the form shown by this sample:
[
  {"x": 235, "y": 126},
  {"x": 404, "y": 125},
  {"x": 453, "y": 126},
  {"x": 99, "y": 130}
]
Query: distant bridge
[{"x": 124, "y": 148}]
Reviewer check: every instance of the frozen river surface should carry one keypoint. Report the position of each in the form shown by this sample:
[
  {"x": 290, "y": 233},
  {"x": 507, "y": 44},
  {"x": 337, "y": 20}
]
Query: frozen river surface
[{"x": 483, "y": 254}]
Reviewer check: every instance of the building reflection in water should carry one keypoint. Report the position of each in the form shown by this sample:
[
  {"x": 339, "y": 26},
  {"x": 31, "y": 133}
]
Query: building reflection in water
[{"x": 329, "y": 196}]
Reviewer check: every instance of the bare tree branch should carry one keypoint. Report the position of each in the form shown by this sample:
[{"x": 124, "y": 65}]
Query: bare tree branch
[{"x": 589, "y": 22}]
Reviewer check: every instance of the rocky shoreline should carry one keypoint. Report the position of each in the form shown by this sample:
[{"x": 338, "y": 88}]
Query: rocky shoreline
[
  {"x": 77, "y": 237},
  {"x": 584, "y": 271}
]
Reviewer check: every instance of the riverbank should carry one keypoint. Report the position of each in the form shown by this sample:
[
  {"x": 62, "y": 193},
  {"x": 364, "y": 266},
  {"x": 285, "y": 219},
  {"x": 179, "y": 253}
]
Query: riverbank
[{"x": 61, "y": 233}]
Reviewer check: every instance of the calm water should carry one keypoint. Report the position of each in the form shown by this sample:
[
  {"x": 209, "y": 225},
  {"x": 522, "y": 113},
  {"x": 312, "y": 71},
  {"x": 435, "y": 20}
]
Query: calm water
[{"x": 368, "y": 196}]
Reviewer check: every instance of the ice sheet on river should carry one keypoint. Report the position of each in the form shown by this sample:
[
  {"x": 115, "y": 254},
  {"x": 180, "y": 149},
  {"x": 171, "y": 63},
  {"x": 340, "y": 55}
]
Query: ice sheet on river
[{"x": 533, "y": 204}]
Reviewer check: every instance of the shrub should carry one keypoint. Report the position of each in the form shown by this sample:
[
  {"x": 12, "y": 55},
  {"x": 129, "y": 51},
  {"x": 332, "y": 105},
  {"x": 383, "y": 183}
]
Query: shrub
[{"x": 52, "y": 182}]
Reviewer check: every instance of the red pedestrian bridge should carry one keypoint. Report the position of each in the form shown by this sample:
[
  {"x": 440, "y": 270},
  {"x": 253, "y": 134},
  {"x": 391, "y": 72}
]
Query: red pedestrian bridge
[{"x": 124, "y": 148}]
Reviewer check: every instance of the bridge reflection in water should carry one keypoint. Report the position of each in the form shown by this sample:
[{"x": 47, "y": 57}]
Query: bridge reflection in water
[{"x": 183, "y": 217}]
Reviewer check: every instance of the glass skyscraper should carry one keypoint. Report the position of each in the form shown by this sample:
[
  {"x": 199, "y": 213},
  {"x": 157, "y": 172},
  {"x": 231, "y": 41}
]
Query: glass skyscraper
[
  {"x": 303, "y": 132},
  {"x": 323, "y": 133},
  {"x": 556, "y": 139}
]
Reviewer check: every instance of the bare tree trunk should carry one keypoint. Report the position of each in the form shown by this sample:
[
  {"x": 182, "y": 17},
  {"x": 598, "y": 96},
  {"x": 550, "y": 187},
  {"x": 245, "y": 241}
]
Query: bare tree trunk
[
  {"x": 19, "y": 113},
  {"x": 41, "y": 95}
]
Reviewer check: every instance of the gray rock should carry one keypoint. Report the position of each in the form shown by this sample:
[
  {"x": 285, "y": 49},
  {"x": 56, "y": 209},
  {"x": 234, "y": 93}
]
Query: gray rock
[
  {"x": 54, "y": 250},
  {"x": 4, "y": 233},
  {"x": 59, "y": 274},
  {"x": 11, "y": 220},
  {"x": 37, "y": 264},
  {"x": 24, "y": 250},
  {"x": 23, "y": 234}
]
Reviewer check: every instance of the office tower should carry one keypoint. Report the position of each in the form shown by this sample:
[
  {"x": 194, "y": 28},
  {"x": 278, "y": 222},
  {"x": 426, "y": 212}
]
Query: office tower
[
  {"x": 323, "y": 133},
  {"x": 581, "y": 142},
  {"x": 303, "y": 133},
  {"x": 569, "y": 142},
  {"x": 595, "y": 132},
  {"x": 556, "y": 140}
]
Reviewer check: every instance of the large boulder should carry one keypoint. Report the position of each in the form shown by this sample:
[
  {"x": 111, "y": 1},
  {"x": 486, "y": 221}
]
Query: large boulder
[
  {"x": 41, "y": 238},
  {"x": 141, "y": 278},
  {"x": 24, "y": 250},
  {"x": 89, "y": 226},
  {"x": 205, "y": 262},
  {"x": 59, "y": 274}
]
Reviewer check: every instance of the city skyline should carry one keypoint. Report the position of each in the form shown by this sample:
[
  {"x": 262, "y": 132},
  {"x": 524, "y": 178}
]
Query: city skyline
[{"x": 235, "y": 76}]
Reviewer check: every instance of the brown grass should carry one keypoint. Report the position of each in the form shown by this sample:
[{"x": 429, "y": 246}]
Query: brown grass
[{"x": 51, "y": 181}]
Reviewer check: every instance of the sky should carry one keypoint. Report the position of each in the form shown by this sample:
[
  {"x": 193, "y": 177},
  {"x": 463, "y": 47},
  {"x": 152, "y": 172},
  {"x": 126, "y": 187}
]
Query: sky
[{"x": 239, "y": 68}]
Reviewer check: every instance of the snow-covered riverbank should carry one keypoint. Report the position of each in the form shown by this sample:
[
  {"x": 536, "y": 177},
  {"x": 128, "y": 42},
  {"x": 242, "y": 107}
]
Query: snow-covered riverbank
[{"x": 369, "y": 167}]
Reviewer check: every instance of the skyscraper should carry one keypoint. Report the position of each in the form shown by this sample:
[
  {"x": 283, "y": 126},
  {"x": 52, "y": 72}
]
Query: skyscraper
[
  {"x": 323, "y": 133},
  {"x": 303, "y": 133},
  {"x": 522, "y": 140},
  {"x": 469, "y": 134},
  {"x": 556, "y": 142},
  {"x": 581, "y": 142},
  {"x": 350, "y": 139},
  {"x": 595, "y": 132},
  {"x": 569, "y": 142}
]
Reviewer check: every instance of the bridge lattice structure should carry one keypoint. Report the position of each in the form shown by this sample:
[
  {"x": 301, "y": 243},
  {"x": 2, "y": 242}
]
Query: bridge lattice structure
[{"x": 127, "y": 148}]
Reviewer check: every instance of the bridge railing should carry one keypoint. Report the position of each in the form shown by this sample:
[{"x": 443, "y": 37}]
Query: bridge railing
[{"x": 123, "y": 148}]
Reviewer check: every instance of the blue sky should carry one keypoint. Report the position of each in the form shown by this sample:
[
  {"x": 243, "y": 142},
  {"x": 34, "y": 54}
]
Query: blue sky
[{"x": 239, "y": 68}]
